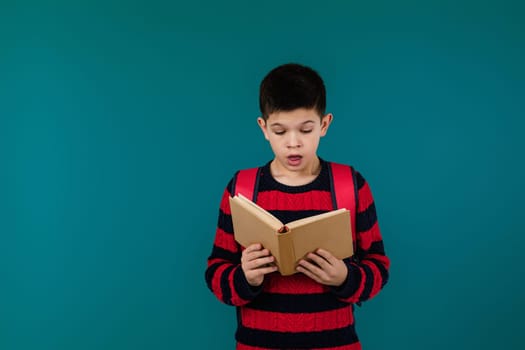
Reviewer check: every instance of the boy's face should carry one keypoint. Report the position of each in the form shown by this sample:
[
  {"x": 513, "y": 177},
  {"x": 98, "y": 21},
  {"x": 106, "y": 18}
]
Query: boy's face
[{"x": 294, "y": 138}]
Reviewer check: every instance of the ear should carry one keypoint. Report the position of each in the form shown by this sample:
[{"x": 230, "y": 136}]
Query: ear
[
  {"x": 325, "y": 123},
  {"x": 262, "y": 125}
]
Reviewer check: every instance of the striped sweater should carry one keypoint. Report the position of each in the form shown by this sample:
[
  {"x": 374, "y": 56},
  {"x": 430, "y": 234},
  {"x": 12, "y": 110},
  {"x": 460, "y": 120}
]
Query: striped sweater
[{"x": 295, "y": 312}]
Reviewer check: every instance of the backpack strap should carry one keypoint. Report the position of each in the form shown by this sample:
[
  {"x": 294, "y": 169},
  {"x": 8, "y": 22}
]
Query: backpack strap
[
  {"x": 246, "y": 183},
  {"x": 344, "y": 191}
]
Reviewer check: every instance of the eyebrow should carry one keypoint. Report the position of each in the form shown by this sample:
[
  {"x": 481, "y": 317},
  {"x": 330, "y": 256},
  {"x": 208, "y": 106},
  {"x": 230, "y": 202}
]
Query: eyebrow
[{"x": 279, "y": 124}]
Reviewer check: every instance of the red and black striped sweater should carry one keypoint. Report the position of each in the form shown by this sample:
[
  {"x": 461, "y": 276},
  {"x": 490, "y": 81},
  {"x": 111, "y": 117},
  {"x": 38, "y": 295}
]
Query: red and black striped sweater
[{"x": 295, "y": 312}]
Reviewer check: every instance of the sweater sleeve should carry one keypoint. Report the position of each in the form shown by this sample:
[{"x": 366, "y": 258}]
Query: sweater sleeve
[
  {"x": 224, "y": 275},
  {"x": 368, "y": 270}
]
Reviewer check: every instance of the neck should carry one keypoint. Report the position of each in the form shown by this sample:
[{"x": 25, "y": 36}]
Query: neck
[{"x": 296, "y": 178}]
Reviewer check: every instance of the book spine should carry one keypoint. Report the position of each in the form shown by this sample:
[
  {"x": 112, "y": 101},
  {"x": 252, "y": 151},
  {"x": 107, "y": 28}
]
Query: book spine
[{"x": 286, "y": 259}]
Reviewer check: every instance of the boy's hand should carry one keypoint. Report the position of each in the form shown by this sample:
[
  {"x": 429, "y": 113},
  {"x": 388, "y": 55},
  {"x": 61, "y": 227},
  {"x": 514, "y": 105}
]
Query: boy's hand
[
  {"x": 323, "y": 267},
  {"x": 257, "y": 262}
]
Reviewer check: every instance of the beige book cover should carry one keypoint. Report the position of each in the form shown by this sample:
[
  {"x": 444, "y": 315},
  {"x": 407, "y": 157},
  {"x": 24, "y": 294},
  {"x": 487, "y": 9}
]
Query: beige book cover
[{"x": 290, "y": 242}]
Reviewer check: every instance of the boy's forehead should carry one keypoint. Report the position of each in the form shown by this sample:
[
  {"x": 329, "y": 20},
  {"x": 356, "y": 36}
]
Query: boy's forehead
[{"x": 301, "y": 115}]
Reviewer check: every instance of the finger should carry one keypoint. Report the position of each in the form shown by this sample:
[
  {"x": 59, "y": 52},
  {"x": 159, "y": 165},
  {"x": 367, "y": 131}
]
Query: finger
[
  {"x": 327, "y": 256},
  {"x": 305, "y": 271},
  {"x": 256, "y": 274},
  {"x": 256, "y": 254},
  {"x": 253, "y": 247},
  {"x": 311, "y": 267},
  {"x": 261, "y": 262},
  {"x": 319, "y": 260},
  {"x": 267, "y": 270}
]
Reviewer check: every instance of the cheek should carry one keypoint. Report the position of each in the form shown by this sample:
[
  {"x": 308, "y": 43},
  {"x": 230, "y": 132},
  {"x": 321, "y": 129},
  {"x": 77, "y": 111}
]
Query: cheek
[
  {"x": 275, "y": 139},
  {"x": 275, "y": 143},
  {"x": 311, "y": 138}
]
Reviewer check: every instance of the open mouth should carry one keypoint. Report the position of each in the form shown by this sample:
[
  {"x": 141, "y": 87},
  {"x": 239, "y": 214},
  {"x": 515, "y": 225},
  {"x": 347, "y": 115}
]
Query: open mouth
[{"x": 294, "y": 159}]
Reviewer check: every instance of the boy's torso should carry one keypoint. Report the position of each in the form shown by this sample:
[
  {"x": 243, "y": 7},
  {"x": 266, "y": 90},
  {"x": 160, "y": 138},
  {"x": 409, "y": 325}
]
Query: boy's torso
[{"x": 295, "y": 311}]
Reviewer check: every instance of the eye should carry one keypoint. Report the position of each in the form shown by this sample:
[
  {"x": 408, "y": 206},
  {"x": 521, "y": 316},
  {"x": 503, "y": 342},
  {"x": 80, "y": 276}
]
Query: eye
[
  {"x": 279, "y": 132},
  {"x": 306, "y": 131}
]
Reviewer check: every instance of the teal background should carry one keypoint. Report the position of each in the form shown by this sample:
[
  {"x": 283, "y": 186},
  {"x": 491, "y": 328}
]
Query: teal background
[{"x": 121, "y": 123}]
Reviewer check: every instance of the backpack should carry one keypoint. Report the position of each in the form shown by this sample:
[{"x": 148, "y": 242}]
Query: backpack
[{"x": 343, "y": 188}]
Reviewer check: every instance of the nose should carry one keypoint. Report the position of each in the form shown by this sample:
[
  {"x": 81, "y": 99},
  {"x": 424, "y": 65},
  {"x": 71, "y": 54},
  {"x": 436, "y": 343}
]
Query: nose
[{"x": 294, "y": 140}]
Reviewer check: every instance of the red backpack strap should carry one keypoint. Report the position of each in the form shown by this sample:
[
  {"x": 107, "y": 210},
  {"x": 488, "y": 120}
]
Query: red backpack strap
[
  {"x": 246, "y": 183},
  {"x": 344, "y": 190}
]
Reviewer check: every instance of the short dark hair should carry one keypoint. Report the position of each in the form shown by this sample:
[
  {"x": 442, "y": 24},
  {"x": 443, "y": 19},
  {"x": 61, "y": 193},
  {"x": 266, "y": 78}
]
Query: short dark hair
[{"x": 291, "y": 86}]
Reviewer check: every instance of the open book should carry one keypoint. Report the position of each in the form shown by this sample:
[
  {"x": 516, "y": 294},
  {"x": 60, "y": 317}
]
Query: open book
[{"x": 290, "y": 242}]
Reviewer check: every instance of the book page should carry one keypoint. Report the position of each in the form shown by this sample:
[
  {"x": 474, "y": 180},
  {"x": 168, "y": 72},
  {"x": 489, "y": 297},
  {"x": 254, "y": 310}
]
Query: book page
[
  {"x": 330, "y": 232},
  {"x": 259, "y": 212},
  {"x": 307, "y": 220},
  {"x": 251, "y": 226}
]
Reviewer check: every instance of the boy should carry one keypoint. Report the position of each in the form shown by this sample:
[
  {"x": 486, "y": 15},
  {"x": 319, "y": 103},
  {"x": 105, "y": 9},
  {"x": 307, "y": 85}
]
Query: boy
[{"x": 313, "y": 308}]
